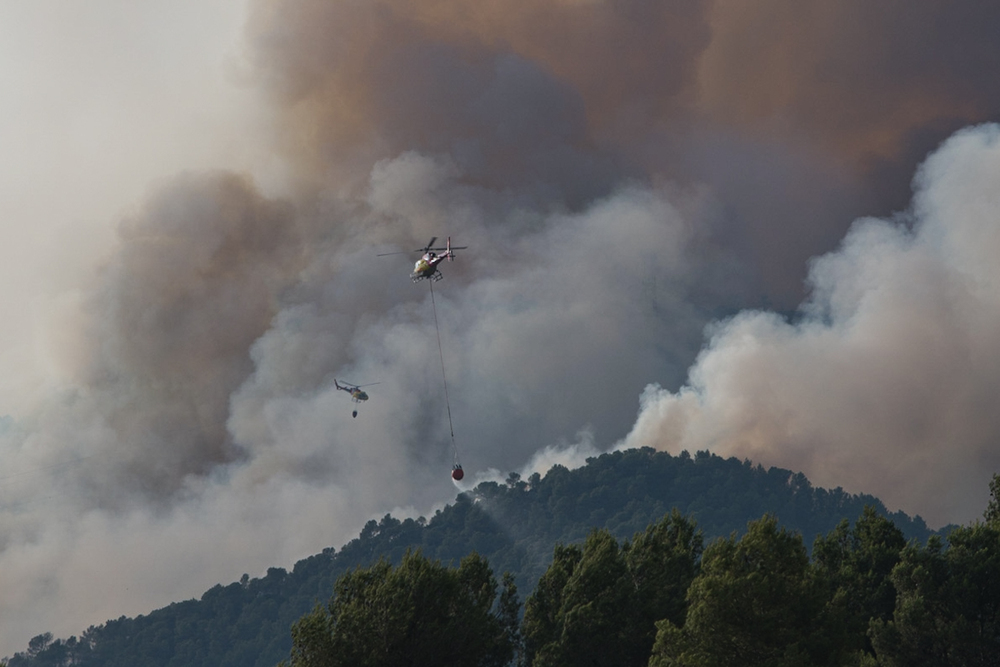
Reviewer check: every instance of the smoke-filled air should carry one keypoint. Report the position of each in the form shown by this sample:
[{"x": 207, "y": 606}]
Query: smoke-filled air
[{"x": 768, "y": 230}]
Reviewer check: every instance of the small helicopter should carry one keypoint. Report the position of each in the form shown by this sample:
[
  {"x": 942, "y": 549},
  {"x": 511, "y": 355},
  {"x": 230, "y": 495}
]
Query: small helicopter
[
  {"x": 426, "y": 266},
  {"x": 355, "y": 391}
]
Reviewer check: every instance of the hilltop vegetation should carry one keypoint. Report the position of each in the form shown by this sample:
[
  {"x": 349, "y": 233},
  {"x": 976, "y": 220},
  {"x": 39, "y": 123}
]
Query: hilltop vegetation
[
  {"x": 864, "y": 598},
  {"x": 514, "y": 526}
]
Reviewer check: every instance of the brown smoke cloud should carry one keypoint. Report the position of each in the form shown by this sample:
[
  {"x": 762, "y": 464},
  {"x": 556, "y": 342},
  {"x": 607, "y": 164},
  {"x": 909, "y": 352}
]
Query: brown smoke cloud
[
  {"x": 864, "y": 90},
  {"x": 831, "y": 104},
  {"x": 518, "y": 92},
  {"x": 856, "y": 78}
]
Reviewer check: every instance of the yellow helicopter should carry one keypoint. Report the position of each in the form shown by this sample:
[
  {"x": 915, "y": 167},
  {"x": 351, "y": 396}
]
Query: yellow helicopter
[
  {"x": 355, "y": 391},
  {"x": 426, "y": 266}
]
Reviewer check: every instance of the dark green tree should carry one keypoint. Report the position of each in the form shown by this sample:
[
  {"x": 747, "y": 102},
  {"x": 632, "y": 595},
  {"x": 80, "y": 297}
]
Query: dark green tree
[
  {"x": 913, "y": 636},
  {"x": 662, "y": 562},
  {"x": 947, "y": 608},
  {"x": 543, "y": 610},
  {"x": 595, "y": 614},
  {"x": 973, "y": 559},
  {"x": 599, "y": 606},
  {"x": 420, "y": 613},
  {"x": 992, "y": 512},
  {"x": 755, "y": 602},
  {"x": 948, "y": 604},
  {"x": 856, "y": 564}
]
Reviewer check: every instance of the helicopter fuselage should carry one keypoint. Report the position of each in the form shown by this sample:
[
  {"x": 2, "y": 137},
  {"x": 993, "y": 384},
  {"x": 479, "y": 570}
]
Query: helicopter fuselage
[{"x": 426, "y": 267}]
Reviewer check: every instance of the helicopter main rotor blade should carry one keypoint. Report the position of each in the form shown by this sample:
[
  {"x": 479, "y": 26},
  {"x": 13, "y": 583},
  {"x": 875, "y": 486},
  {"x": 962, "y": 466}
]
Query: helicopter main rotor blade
[
  {"x": 401, "y": 252},
  {"x": 358, "y": 386}
]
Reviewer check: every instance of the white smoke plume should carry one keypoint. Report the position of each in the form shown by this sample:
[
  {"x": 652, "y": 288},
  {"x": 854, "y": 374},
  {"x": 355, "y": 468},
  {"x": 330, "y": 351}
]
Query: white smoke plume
[{"x": 887, "y": 379}]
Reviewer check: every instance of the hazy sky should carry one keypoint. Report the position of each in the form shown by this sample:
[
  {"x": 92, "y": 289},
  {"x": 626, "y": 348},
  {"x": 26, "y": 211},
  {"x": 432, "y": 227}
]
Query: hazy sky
[{"x": 746, "y": 225}]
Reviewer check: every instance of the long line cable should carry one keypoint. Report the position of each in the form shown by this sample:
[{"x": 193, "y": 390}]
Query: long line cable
[{"x": 444, "y": 378}]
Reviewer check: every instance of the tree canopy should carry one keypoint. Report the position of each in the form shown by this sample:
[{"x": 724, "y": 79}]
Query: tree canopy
[
  {"x": 599, "y": 605},
  {"x": 419, "y": 613}
]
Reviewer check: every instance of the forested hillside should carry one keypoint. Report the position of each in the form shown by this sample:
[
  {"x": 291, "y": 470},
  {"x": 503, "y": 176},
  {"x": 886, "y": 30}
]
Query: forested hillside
[{"x": 515, "y": 526}]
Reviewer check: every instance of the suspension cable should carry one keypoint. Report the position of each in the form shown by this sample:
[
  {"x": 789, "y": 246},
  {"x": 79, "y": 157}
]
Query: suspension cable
[{"x": 444, "y": 377}]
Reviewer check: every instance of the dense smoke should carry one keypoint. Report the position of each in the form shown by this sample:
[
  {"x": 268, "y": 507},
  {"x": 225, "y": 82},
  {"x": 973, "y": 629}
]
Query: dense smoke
[
  {"x": 885, "y": 379},
  {"x": 625, "y": 173}
]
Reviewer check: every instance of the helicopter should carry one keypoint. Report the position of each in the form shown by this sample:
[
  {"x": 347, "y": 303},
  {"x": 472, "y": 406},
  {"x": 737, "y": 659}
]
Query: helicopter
[
  {"x": 426, "y": 266},
  {"x": 355, "y": 391}
]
